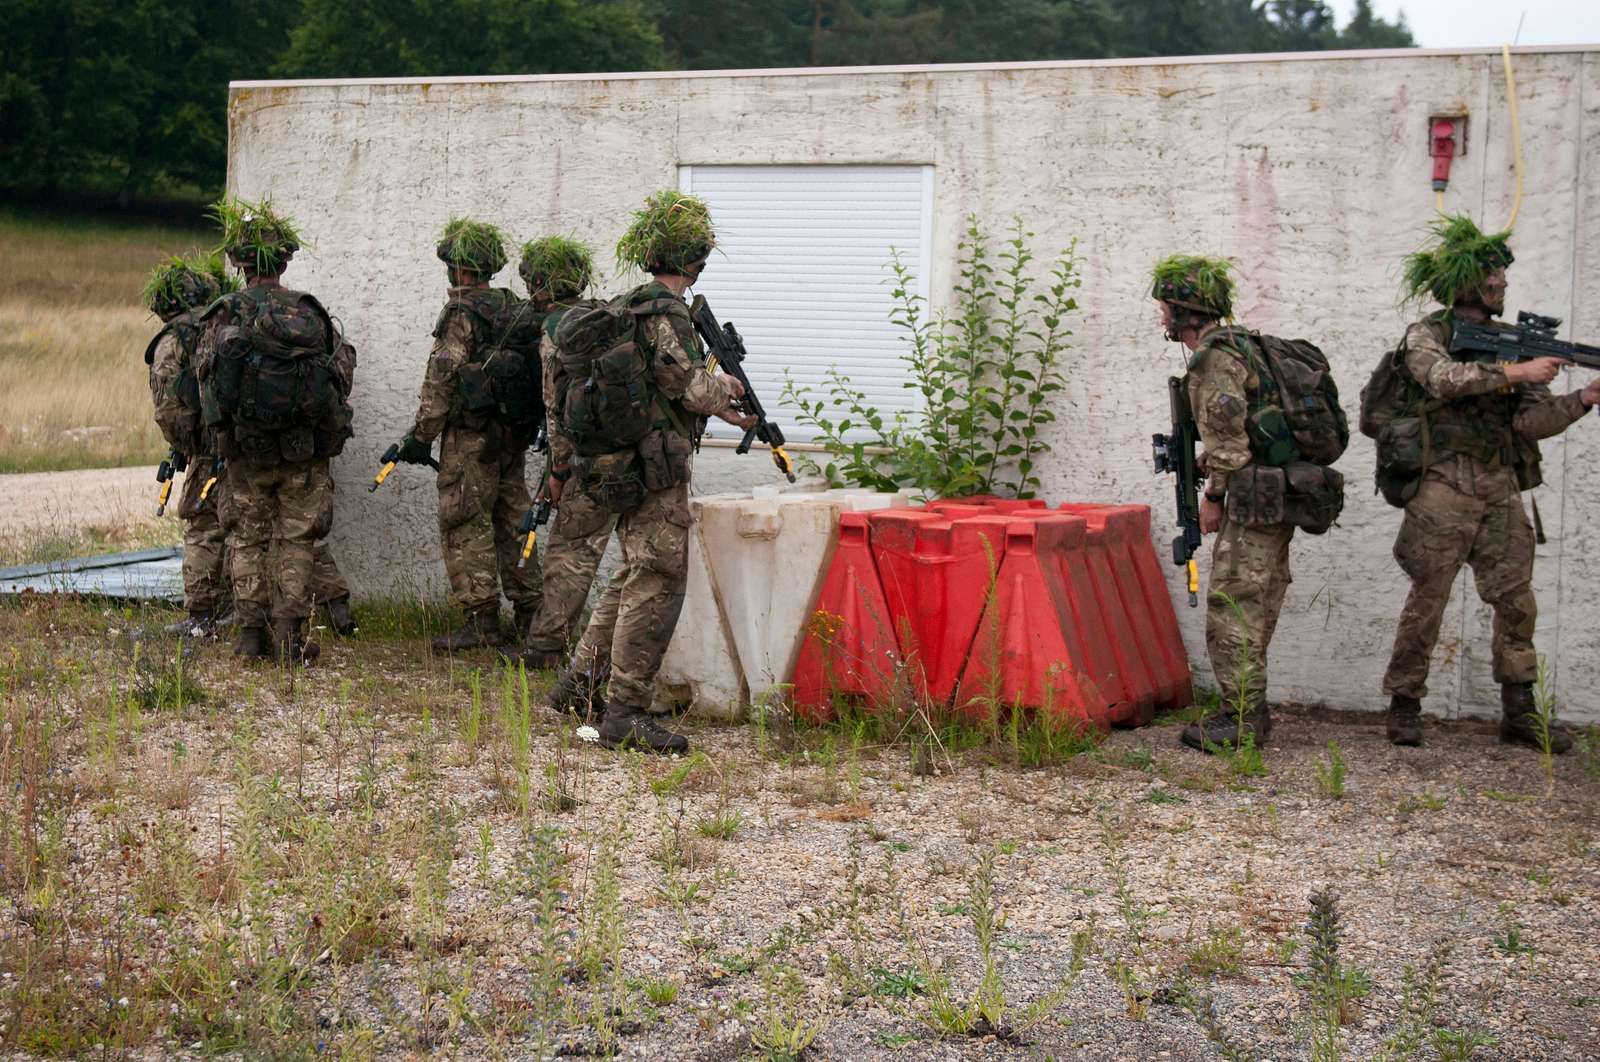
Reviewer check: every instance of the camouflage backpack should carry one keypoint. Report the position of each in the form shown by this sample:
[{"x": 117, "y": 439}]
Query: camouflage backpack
[
  {"x": 610, "y": 402},
  {"x": 269, "y": 384},
  {"x": 1296, "y": 414},
  {"x": 1297, "y": 430},
  {"x": 178, "y": 411},
  {"x": 502, "y": 382}
]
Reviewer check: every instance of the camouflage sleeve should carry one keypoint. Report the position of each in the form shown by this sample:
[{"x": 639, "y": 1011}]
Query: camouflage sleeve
[
  {"x": 681, "y": 375},
  {"x": 1430, "y": 364},
  {"x": 1541, "y": 414},
  {"x": 165, "y": 368},
  {"x": 1218, "y": 394},
  {"x": 555, "y": 380},
  {"x": 451, "y": 346}
]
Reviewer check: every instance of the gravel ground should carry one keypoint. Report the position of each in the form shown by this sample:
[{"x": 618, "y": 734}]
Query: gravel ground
[
  {"x": 843, "y": 866},
  {"x": 53, "y": 502}
]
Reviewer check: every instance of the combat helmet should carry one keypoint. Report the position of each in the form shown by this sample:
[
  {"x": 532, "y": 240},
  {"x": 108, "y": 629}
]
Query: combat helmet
[
  {"x": 670, "y": 234},
  {"x": 472, "y": 245},
  {"x": 254, "y": 237},
  {"x": 557, "y": 265},
  {"x": 1194, "y": 282},
  {"x": 178, "y": 285},
  {"x": 1459, "y": 257}
]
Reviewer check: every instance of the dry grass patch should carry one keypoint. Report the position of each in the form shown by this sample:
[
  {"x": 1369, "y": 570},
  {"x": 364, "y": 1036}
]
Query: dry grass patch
[{"x": 72, "y": 336}]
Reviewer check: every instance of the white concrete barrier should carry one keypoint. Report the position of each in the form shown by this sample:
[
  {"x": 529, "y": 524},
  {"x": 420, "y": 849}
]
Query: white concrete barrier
[{"x": 756, "y": 559}]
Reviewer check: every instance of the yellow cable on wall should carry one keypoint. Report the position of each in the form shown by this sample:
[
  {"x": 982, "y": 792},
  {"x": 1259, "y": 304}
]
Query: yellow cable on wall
[{"x": 1516, "y": 132}]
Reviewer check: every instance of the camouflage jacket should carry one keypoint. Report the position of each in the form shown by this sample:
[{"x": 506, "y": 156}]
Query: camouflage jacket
[
  {"x": 457, "y": 337},
  {"x": 1477, "y": 417},
  {"x": 173, "y": 385},
  {"x": 1221, "y": 387}
]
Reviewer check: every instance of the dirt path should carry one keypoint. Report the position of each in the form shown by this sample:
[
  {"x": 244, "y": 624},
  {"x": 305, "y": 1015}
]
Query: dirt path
[{"x": 67, "y": 502}]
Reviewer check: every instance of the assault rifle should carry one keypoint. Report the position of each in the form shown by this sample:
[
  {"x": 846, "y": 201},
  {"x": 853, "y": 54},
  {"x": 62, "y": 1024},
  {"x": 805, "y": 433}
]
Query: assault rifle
[
  {"x": 169, "y": 468},
  {"x": 1533, "y": 336},
  {"x": 727, "y": 350},
  {"x": 1175, "y": 453},
  {"x": 538, "y": 516},
  {"x": 390, "y": 458}
]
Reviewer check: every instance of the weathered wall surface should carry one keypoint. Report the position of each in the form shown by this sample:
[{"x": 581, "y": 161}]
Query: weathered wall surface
[{"x": 1311, "y": 172}]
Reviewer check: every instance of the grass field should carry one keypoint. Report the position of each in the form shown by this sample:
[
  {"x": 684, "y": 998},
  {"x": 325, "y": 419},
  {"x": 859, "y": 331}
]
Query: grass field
[{"x": 72, "y": 336}]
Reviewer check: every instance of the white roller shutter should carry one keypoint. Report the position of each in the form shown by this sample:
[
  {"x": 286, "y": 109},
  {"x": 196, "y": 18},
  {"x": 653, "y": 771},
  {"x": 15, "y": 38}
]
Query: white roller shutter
[{"x": 802, "y": 269}]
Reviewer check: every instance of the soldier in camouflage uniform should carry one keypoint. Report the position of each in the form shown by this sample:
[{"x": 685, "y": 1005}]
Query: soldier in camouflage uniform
[
  {"x": 483, "y": 489},
  {"x": 557, "y": 270},
  {"x": 1249, "y": 560},
  {"x": 280, "y": 490},
  {"x": 1483, "y": 422},
  {"x": 646, "y": 486},
  {"x": 178, "y": 291}
]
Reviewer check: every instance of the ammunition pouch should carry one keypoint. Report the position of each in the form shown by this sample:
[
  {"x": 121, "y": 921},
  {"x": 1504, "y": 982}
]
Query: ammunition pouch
[
  {"x": 664, "y": 459},
  {"x": 614, "y": 481},
  {"x": 1309, "y": 496},
  {"x": 1403, "y": 452}
]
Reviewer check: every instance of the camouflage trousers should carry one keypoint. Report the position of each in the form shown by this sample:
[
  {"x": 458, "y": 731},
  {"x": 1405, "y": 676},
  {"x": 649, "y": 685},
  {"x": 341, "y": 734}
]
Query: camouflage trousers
[
  {"x": 206, "y": 587},
  {"x": 278, "y": 511},
  {"x": 1250, "y": 565},
  {"x": 219, "y": 513},
  {"x": 577, "y": 540},
  {"x": 1464, "y": 514},
  {"x": 483, "y": 494},
  {"x": 637, "y": 614}
]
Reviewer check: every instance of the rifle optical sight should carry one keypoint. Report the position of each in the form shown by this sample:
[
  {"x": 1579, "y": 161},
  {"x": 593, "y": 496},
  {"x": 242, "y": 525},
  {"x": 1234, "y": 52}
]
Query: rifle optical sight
[
  {"x": 1161, "y": 452},
  {"x": 1542, "y": 322}
]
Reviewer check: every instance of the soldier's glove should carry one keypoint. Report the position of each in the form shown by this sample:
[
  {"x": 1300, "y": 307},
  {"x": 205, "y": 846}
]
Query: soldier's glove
[{"x": 415, "y": 452}]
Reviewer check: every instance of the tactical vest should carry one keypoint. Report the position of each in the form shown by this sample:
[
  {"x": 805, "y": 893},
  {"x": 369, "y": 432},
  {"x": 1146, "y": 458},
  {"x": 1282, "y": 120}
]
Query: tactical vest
[
  {"x": 1296, "y": 428},
  {"x": 1414, "y": 430},
  {"x": 269, "y": 380},
  {"x": 178, "y": 409},
  {"x": 501, "y": 381}
]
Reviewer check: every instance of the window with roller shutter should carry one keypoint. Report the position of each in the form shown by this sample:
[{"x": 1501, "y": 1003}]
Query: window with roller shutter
[{"x": 802, "y": 270}]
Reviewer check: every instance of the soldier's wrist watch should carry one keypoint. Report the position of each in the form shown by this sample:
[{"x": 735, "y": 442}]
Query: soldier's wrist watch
[{"x": 1216, "y": 499}]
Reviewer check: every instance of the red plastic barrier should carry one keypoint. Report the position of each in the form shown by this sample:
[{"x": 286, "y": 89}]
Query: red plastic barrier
[
  {"x": 935, "y": 570},
  {"x": 1082, "y": 614},
  {"x": 1027, "y": 651},
  {"x": 849, "y": 646},
  {"x": 989, "y": 501},
  {"x": 1143, "y": 593}
]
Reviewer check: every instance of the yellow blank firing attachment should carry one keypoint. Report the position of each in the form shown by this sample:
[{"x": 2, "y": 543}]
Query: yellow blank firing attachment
[
  {"x": 1194, "y": 583},
  {"x": 383, "y": 474},
  {"x": 781, "y": 459},
  {"x": 527, "y": 548},
  {"x": 166, "y": 492},
  {"x": 205, "y": 490}
]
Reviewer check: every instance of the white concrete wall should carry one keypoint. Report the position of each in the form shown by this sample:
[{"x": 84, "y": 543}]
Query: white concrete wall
[{"x": 1310, "y": 171}]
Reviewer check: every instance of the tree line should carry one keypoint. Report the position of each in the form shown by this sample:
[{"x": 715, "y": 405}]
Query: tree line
[{"x": 128, "y": 97}]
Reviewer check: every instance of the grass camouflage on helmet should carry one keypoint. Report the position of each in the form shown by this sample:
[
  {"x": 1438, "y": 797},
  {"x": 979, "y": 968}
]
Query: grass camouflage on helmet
[
  {"x": 178, "y": 284},
  {"x": 254, "y": 236},
  {"x": 563, "y": 266},
  {"x": 669, "y": 235},
  {"x": 1459, "y": 258},
  {"x": 1195, "y": 282},
  {"x": 474, "y": 245}
]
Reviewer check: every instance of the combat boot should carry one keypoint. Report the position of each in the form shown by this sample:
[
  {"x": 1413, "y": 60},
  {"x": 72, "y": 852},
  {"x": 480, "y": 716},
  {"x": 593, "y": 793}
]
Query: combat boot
[
  {"x": 1520, "y": 723},
  {"x": 340, "y": 618},
  {"x": 252, "y": 644},
  {"x": 198, "y": 624},
  {"x": 540, "y": 659},
  {"x": 630, "y": 728},
  {"x": 577, "y": 692},
  {"x": 289, "y": 644},
  {"x": 1404, "y": 725},
  {"x": 1221, "y": 729},
  {"x": 482, "y": 627},
  {"x": 522, "y": 617}
]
